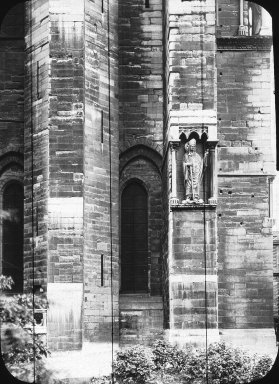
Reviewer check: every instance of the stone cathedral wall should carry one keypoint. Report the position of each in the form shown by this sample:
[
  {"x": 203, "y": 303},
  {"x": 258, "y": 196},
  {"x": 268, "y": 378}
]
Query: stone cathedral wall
[
  {"x": 104, "y": 93},
  {"x": 140, "y": 70},
  {"x": 140, "y": 36},
  {"x": 246, "y": 169},
  {"x": 101, "y": 180},
  {"x": 36, "y": 144}
]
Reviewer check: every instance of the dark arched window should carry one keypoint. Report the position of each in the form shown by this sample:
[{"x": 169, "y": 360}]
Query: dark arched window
[
  {"x": 134, "y": 239},
  {"x": 12, "y": 234}
]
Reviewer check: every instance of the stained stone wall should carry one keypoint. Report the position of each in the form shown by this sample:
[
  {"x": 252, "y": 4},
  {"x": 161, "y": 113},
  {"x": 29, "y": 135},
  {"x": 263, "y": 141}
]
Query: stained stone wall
[
  {"x": 228, "y": 17},
  {"x": 107, "y": 94},
  {"x": 141, "y": 70},
  {"x": 36, "y": 143},
  {"x": 11, "y": 100},
  {"x": 246, "y": 168},
  {"x": 193, "y": 275},
  {"x": 101, "y": 172},
  {"x": 72, "y": 159},
  {"x": 140, "y": 34},
  {"x": 191, "y": 106}
]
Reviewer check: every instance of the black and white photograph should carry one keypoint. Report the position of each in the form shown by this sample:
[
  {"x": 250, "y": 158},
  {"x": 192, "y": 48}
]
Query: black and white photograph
[{"x": 139, "y": 191}]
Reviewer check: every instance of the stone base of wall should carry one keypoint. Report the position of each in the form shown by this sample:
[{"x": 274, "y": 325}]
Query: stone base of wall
[
  {"x": 141, "y": 319},
  {"x": 194, "y": 337},
  {"x": 94, "y": 360},
  {"x": 64, "y": 316},
  {"x": 261, "y": 341}
]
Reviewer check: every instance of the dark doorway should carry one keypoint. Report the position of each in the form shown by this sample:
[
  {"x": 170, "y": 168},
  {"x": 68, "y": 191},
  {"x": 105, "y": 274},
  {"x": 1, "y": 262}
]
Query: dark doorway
[
  {"x": 134, "y": 239},
  {"x": 12, "y": 248}
]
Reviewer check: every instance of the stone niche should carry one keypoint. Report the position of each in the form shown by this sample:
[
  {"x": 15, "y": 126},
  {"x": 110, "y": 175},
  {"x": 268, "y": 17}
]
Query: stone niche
[
  {"x": 206, "y": 150},
  {"x": 201, "y": 149}
]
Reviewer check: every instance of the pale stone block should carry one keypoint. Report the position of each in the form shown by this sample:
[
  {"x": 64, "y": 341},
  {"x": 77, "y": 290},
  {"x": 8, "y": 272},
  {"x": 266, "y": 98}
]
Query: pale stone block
[
  {"x": 93, "y": 360},
  {"x": 261, "y": 341},
  {"x": 72, "y": 7},
  {"x": 196, "y": 336},
  {"x": 177, "y": 7},
  {"x": 188, "y": 279}
]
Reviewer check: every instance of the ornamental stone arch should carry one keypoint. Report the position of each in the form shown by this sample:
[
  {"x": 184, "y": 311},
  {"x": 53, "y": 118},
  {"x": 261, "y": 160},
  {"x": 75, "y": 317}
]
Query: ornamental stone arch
[
  {"x": 140, "y": 150},
  {"x": 11, "y": 160},
  {"x": 143, "y": 169},
  {"x": 11, "y": 229},
  {"x": 144, "y": 141}
]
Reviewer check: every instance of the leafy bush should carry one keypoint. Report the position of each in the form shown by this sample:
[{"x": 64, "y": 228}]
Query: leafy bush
[
  {"x": 168, "y": 357},
  {"x": 195, "y": 366},
  {"x": 134, "y": 365},
  {"x": 227, "y": 364},
  {"x": 167, "y": 364},
  {"x": 21, "y": 349},
  {"x": 262, "y": 365}
]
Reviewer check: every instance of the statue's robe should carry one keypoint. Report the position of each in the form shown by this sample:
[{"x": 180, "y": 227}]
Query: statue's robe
[{"x": 192, "y": 177}]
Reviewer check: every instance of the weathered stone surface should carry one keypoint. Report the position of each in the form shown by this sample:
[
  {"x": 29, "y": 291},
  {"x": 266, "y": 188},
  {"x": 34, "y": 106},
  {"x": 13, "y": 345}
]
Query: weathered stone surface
[{"x": 91, "y": 100}]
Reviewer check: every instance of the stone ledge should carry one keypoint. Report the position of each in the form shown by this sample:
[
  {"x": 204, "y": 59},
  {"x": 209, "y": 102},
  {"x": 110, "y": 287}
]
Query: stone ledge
[
  {"x": 244, "y": 43},
  {"x": 193, "y": 207}
]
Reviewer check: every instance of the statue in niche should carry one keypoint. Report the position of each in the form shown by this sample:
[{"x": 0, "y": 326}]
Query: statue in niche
[{"x": 193, "y": 168}]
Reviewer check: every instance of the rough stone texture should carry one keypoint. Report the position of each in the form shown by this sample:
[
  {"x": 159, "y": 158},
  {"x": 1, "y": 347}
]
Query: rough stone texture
[
  {"x": 141, "y": 131},
  {"x": 66, "y": 99},
  {"x": 148, "y": 174},
  {"x": 12, "y": 81},
  {"x": 141, "y": 319},
  {"x": 11, "y": 99},
  {"x": 193, "y": 269},
  {"x": 65, "y": 119},
  {"x": 96, "y": 90},
  {"x": 244, "y": 253},
  {"x": 228, "y": 17},
  {"x": 190, "y": 70},
  {"x": 244, "y": 112},
  {"x": 191, "y": 104},
  {"x": 64, "y": 316},
  {"x": 36, "y": 143},
  {"x": 244, "y": 227},
  {"x": 141, "y": 70},
  {"x": 276, "y": 276},
  {"x": 101, "y": 175},
  {"x": 166, "y": 174}
]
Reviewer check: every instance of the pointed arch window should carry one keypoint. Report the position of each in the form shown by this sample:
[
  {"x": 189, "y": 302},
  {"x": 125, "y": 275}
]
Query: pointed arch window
[
  {"x": 12, "y": 234},
  {"x": 134, "y": 239}
]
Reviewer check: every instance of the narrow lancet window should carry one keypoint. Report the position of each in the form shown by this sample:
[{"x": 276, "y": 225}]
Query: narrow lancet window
[
  {"x": 134, "y": 239},
  {"x": 12, "y": 235}
]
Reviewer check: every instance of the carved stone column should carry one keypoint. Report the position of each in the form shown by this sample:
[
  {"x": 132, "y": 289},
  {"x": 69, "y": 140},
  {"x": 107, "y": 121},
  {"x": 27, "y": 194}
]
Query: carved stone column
[
  {"x": 213, "y": 181},
  {"x": 242, "y": 29},
  {"x": 173, "y": 147}
]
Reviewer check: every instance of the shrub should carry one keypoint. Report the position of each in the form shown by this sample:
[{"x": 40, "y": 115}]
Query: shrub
[
  {"x": 261, "y": 366},
  {"x": 195, "y": 366},
  {"x": 167, "y": 357},
  {"x": 21, "y": 349},
  {"x": 134, "y": 365},
  {"x": 227, "y": 364},
  {"x": 166, "y": 364}
]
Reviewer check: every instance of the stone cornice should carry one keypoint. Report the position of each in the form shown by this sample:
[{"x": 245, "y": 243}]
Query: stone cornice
[
  {"x": 193, "y": 207},
  {"x": 244, "y": 43}
]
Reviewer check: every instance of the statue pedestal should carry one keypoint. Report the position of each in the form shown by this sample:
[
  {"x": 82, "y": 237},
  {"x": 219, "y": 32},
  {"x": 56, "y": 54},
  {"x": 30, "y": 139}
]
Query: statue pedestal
[{"x": 192, "y": 275}]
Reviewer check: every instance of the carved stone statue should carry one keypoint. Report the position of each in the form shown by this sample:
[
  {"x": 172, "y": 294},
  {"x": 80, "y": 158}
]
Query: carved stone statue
[{"x": 193, "y": 169}]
